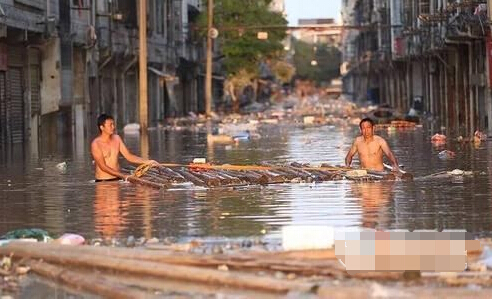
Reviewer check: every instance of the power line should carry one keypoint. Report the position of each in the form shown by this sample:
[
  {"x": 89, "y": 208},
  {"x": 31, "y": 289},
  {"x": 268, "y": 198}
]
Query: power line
[{"x": 307, "y": 28}]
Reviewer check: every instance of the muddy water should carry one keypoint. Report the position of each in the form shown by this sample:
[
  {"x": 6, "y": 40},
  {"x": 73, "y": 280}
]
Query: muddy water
[{"x": 35, "y": 193}]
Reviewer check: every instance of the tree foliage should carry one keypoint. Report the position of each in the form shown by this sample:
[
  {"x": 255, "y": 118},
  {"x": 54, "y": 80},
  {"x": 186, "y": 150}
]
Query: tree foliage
[
  {"x": 237, "y": 40},
  {"x": 283, "y": 71},
  {"x": 328, "y": 60}
]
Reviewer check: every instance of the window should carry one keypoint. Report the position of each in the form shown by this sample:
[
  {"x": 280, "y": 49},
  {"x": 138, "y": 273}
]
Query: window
[
  {"x": 30, "y": 4},
  {"x": 79, "y": 3},
  {"x": 151, "y": 15},
  {"x": 169, "y": 20},
  {"x": 159, "y": 18}
]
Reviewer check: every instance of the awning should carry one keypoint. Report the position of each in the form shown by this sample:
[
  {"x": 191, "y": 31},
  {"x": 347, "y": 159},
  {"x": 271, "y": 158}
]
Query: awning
[
  {"x": 167, "y": 77},
  {"x": 220, "y": 78}
]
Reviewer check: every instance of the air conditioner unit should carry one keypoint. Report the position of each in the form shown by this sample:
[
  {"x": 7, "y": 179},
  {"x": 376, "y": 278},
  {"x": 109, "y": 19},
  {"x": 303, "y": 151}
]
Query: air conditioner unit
[
  {"x": 50, "y": 26},
  {"x": 3, "y": 30},
  {"x": 432, "y": 66},
  {"x": 118, "y": 16}
]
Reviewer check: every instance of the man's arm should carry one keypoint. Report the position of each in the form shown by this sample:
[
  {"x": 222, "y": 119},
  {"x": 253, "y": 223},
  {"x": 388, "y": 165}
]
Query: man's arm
[
  {"x": 387, "y": 151},
  {"x": 129, "y": 156},
  {"x": 351, "y": 153},
  {"x": 98, "y": 156}
]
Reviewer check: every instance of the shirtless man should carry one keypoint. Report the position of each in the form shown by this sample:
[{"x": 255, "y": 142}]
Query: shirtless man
[
  {"x": 370, "y": 148},
  {"x": 106, "y": 148}
]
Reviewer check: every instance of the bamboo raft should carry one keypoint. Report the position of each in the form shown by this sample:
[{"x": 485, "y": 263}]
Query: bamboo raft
[
  {"x": 139, "y": 272},
  {"x": 166, "y": 176},
  {"x": 398, "y": 124}
]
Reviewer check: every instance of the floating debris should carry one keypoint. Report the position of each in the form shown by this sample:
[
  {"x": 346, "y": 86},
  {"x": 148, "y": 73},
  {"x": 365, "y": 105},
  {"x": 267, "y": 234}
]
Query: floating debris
[
  {"x": 446, "y": 154},
  {"x": 62, "y": 166}
]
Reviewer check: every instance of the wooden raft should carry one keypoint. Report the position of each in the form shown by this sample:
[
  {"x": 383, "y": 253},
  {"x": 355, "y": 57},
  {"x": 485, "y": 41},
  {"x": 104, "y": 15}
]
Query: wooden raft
[{"x": 165, "y": 176}]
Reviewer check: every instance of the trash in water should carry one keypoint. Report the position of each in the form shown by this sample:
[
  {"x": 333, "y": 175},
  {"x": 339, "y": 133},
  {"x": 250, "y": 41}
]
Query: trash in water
[
  {"x": 131, "y": 129},
  {"x": 296, "y": 237},
  {"x": 199, "y": 161},
  {"x": 62, "y": 166},
  {"x": 446, "y": 154},
  {"x": 480, "y": 135},
  {"x": 438, "y": 138},
  {"x": 459, "y": 172},
  {"x": 220, "y": 138},
  {"x": 241, "y": 136},
  {"x": 70, "y": 239},
  {"x": 27, "y": 233},
  {"x": 486, "y": 258}
]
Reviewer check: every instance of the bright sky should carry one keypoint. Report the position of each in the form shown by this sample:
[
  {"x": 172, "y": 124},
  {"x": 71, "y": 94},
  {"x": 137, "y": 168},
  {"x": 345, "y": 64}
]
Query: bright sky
[{"x": 312, "y": 9}]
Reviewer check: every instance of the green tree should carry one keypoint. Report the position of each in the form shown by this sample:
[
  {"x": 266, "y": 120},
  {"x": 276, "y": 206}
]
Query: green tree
[
  {"x": 238, "y": 22},
  {"x": 327, "y": 58}
]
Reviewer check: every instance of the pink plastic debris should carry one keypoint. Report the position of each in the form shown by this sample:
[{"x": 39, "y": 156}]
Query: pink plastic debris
[{"x": 70, "y": 239}]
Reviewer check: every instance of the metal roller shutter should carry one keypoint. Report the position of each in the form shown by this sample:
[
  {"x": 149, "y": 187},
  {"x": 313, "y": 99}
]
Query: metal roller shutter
[
  {"x": 16, "y": 105},
  {"x": 35, "y": 81},
  {"x": 3, "y": 108},
  {"x": 35, "y": 91},
  {"x": 15, "y": 94}
]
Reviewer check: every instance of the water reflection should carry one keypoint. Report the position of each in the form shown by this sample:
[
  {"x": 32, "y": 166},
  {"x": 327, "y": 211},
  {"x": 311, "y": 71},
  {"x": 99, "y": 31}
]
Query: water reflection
[
  {"x": 34, "y": 193},
  {"x": 375, "y": 197},
  {"x": 110, "y": 211}
]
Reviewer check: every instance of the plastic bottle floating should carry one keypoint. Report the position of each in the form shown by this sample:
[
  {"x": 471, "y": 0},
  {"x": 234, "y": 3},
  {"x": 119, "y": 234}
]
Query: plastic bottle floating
[
  {"x": 438, "y": 138},
  {"x": 479, "y": 136},
  {"x": 241, "y": 136},
  {"x": 446, "y": 154}
]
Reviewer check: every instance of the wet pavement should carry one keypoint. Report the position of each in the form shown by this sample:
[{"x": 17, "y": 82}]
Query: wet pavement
[{"x": 35, "y": 193}]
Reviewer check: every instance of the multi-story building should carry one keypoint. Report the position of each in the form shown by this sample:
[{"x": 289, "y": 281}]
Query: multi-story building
[
  {"x": 64, "y": 62},
  {"x": 28, "y": 65},
  {"x": 313, "y": 31},
  {"x": 430, "y": 55}
]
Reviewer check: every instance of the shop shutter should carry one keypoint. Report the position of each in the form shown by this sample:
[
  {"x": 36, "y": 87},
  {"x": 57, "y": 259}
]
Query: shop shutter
[
  {"x": 3, "y": 108},
  {"x": 35, "y": 91},
  {"x": 35, "y": 81},
  {"x": 15, "y": 109}
]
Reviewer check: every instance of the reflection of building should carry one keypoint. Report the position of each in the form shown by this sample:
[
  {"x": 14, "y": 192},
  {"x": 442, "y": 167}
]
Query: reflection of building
[
  {"x": 322, "y": 31},
  {"x": 427, "y": 54},
  {"x": 64, "y": 62}
]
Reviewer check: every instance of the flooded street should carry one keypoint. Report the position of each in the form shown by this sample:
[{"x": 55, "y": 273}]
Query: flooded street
[{"x": 35, "y": 193}]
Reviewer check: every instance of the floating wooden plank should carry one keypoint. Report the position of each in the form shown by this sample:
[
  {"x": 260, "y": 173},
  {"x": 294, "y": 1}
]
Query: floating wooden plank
[
  {"x": 95, "y": 283},
  {"x": 70, "y": 257}
]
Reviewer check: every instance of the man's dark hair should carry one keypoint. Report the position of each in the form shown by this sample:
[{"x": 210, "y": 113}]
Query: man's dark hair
[
  {"x": 367, "y": 119},
  {"x": 102, "y": 119}
]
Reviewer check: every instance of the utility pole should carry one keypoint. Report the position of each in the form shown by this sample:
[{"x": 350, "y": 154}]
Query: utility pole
[
  {"x": 142, "y": 64},
  {"x": 208, "y": 73}
]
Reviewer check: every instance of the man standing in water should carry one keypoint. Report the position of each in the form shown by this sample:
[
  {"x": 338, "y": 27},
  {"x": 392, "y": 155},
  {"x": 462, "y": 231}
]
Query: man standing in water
[
  {"x": 106, "y": 148},
  {"x": 370, "y": 148}
]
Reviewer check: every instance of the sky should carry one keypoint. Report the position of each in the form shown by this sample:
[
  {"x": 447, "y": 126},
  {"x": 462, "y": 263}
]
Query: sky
[{"x": 310, "y": 9}]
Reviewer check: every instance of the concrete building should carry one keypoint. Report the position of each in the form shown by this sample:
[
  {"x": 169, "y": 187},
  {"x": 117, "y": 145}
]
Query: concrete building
[
  {"x": 62, "y": 63},
  {"x": 313, "y": 31},
  {"x": 430, "y": 55},
  {"x": 27, "y": 44}
]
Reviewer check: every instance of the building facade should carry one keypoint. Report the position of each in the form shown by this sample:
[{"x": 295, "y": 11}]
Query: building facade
[
  {"x": 430, "y": 55},
  {"x": 313, "y": 31},
  {"x": 62, "y": 63}
]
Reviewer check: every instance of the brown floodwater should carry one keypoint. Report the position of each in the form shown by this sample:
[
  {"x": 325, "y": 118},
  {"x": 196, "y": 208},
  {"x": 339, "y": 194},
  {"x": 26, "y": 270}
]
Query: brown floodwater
[{"x": 35, "y": 193}]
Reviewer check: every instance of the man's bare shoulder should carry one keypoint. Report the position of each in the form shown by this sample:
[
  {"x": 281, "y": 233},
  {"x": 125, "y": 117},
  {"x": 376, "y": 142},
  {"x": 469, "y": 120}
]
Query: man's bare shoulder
[
  {"x": 96, "y": 140},
  {"x": 379, "y": 139},
  {"x": 116, "y": 138},
  {"x": 358, "y": 140}
]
